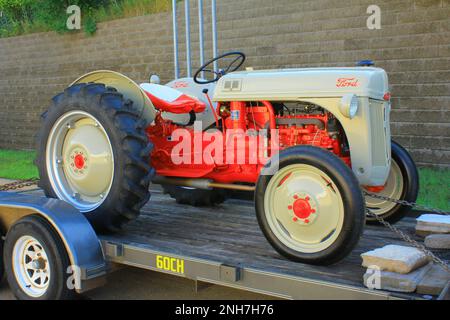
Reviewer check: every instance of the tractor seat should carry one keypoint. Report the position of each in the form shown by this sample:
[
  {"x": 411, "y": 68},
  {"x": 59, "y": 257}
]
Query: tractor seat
[{"x": 167, "y": 99}]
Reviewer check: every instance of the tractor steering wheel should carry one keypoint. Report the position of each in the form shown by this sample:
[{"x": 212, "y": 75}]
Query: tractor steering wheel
[{"x": 237, "y": 60}]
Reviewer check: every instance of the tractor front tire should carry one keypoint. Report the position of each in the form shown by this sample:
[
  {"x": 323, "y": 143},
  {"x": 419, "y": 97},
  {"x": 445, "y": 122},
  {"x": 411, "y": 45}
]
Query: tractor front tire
[
  {"x": 402, "y": 184},
  {"x": 311, "y": 209},
  {"x": 195, "y": 197},
  {"x": 93, "y": 153}
]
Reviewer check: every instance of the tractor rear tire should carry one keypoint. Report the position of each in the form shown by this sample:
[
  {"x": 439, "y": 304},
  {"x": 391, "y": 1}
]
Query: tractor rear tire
[
  {"x": 195, "y": 197},
  {"x": 402, "y": 184},
  {"x": 311, "y": 209},
  {"x": 93, "y": 153}
]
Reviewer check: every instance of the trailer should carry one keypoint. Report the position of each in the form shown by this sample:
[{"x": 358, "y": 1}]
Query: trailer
[{"x": 223, "y": 246}]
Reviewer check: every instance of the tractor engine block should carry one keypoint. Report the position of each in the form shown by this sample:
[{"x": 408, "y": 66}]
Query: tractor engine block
[{"x": 300, "y": 125}]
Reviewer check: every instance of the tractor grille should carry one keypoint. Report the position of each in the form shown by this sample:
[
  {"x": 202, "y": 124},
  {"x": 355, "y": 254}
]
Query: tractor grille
[{"x": 379, "y": 122}]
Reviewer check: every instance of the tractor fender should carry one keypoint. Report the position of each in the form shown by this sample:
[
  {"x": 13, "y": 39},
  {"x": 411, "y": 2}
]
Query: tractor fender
[
  {"x": 125, "y": 86},
  {"x": 80, "y": 241}
]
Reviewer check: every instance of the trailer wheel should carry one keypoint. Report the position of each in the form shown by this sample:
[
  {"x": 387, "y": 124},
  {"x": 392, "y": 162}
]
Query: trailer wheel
[
  {"x": 195, "y": 197},
  {"x": 312, "y": 209},
  {"x": 36, "y": 261},
  {"x": 94, "y": 154},
  {"x": 402, "y": 184},
  {"x": 2, "y": 262}
]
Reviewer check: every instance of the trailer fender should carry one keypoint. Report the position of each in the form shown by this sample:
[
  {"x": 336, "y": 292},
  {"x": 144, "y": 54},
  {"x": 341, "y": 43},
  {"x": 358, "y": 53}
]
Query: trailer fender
[
  {"x": 80, "y": 240},
  {"x": 125, "y": 86}
]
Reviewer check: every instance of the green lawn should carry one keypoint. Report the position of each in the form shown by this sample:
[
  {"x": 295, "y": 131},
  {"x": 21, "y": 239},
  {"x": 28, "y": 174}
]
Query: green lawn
[
  {"x": 17, "y": 164},
  {"x": 435, "y": 188},
  {"x": 434, "y": 184}
]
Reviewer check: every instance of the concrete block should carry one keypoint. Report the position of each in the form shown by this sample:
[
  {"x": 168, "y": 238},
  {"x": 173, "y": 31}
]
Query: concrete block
[
  {"x": 434, "y": 281},
  {"x": 438, "y": 241},
  {"x": 395, "y": 258},
  {"x": 432, "y": 223},
  {"x": 393, "y": 281}
]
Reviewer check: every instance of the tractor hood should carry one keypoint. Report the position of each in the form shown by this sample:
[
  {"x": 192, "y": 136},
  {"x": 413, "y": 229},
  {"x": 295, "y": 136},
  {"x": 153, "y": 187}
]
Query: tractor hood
[{"x": 294, "y": 84}]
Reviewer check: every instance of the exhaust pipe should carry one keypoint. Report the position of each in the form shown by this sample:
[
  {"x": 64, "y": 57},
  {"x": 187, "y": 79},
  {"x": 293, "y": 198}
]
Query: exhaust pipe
[{"x": 204, "y": 184}]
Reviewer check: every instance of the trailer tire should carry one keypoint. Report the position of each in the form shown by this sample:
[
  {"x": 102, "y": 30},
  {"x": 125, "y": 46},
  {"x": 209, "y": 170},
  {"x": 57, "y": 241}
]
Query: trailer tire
[
  {"x": 311, "y": 209},
  {"x": 104, "y": 129},
  {"x": 26, "y": 237},
  {"x": 195, "y": 197},
  {"x": 2, "y": 263},
  {"x": 403, "y": 184}
]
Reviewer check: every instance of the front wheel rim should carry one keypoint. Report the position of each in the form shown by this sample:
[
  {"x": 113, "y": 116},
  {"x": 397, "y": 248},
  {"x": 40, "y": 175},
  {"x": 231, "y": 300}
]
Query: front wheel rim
[
  {"x": 31, "y": 266},
  {"x": 80, "y": 160},
  {"x": 304, "y": 208},
  {"x": 393, "y": 189}
]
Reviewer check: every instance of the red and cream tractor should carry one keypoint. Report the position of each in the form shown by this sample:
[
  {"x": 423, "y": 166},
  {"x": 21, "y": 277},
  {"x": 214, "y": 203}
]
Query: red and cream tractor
[{"x": 307, "y": 142}]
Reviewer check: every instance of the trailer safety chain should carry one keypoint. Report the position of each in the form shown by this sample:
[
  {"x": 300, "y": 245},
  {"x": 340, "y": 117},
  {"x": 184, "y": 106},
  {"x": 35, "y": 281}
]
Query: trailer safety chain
[
  {"x": 403, "y": 235},
  {"x": 407, "y": 203},
  {"x": 17, "y": 185}
]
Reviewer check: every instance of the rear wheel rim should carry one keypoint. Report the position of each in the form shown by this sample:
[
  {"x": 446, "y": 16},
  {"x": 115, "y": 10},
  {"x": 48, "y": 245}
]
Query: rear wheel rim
[
  {"x": 393, "y": 189},
  {"x": 80, "y": 160},
  {"x": 304, "y": 208},
  {"x": 31, "y": 266}
]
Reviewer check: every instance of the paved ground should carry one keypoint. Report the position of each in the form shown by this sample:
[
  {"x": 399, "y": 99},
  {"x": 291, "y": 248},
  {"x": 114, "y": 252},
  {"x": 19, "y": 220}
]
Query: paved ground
[{"x": 133, "y": 283}]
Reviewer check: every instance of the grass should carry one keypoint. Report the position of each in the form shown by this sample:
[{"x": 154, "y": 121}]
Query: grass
[
  {"x": 434, "y": 183},
  {"x": 17, "y": 164},
  {"x": 117, "y": 9},
  {"x": 130, "y": 8},
  {"x": 435, "y": 188}
]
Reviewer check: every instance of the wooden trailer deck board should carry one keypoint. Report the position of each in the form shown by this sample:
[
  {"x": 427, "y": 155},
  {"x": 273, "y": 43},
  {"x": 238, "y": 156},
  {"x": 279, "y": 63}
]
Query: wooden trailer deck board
[{"x": 229, "y": 234}]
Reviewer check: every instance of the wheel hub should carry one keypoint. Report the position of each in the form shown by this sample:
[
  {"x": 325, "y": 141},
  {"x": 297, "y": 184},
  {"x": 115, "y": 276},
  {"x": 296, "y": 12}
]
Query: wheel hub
[
  {"x": 78, "y": 161},
  {"x": 39, "y": 264},
  {"x": 303, "y": 209}
]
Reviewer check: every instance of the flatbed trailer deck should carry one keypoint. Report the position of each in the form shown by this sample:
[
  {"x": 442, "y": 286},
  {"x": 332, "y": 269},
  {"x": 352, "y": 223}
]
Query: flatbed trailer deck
[{"x": 224, "y": 246}]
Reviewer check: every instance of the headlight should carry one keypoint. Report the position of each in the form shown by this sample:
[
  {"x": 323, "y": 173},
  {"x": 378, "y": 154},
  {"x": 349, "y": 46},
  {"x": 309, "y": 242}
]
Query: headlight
[{"x": 349, "y": 105}]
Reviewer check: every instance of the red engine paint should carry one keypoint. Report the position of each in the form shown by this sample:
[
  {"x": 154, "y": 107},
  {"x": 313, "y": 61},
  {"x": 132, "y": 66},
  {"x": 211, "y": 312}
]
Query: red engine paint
[
  {"x": 244, "y": 116},
  {"x": 238, "y": 117}
]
